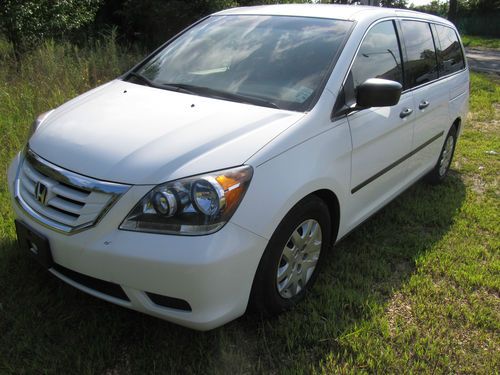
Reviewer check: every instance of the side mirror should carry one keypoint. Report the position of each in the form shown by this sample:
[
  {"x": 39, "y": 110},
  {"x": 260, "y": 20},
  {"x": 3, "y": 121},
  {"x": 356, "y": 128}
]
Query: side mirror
[{"x": 377, "y": 92}]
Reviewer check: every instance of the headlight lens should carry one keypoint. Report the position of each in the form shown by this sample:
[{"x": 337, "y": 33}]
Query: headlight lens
[
  {"x": 37, "y": 123},
  {"x": 191, "y": 206},
  {"x": 208, "y": 196}
]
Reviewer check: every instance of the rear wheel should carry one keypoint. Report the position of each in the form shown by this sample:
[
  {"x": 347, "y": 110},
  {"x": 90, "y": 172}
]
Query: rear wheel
[
  {"x": 438, "y": 174},
  {"x": 292, "y": 259}
]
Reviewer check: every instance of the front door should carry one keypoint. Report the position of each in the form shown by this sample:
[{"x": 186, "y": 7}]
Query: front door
[{"x": 381, "y": 137}]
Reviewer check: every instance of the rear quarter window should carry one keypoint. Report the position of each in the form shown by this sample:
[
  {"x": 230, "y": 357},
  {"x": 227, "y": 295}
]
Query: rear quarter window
[{"x": 449, "y": 50}]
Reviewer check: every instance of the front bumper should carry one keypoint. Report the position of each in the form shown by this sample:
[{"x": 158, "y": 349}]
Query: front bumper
[{"x": 212, "y": 273}]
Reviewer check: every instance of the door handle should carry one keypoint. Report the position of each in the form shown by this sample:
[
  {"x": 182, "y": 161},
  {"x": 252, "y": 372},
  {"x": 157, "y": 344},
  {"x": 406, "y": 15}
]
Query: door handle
[
  {"x": 406, "y": 112},
  {"x": 423, "y": 104}
]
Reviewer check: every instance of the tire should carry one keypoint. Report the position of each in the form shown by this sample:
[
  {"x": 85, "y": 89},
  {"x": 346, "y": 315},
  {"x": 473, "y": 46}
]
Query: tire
[
  {"x": 293, "y": 257},
  {"x": 440, "y": 170}
]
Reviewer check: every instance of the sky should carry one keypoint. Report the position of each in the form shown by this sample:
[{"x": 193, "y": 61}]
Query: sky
[
  {"x": 419, "y": 2},
  {"x": 416, "y": 2}
]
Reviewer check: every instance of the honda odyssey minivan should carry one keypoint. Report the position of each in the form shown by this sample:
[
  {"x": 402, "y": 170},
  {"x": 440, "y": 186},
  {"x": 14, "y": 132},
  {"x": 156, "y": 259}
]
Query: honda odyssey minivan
[{"x": 216, "y": 174}]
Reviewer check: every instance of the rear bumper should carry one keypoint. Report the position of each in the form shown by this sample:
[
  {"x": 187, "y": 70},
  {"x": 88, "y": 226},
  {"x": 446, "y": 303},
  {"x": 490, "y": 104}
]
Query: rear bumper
[{"x": 213, "y": 273}]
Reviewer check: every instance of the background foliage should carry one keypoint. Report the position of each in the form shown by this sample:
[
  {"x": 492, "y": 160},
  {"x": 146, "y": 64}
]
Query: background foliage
[
  {"x": 475, "y": 17},
  {"x": 25, "y": 23}
]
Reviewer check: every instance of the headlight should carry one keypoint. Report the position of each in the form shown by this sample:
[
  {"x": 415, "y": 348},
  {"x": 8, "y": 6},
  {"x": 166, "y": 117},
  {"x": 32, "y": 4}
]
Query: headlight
[
  {"x": 191, "y": 206},
  {"x": 37, "y": 123}
]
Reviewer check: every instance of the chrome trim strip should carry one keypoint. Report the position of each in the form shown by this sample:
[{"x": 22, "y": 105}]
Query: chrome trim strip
[
  {"x": 61, "y": 175},
  {"x": 79, "y": 181},
  {"x": 396, "y": 163}
]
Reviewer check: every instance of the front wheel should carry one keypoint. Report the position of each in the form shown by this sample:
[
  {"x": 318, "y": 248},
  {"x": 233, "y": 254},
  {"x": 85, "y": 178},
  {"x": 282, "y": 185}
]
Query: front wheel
[
  {"x": 291, "y": 261},
  {"x": 438, "y": 174}
]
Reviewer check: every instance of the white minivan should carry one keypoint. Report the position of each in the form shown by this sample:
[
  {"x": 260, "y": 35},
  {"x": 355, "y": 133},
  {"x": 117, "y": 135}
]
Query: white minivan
[{"x": 215, "y": 174}]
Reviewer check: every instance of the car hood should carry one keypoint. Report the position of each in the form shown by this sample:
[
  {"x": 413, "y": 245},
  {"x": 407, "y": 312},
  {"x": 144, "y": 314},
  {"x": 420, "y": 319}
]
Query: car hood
[{"x": 134, "y": 134}]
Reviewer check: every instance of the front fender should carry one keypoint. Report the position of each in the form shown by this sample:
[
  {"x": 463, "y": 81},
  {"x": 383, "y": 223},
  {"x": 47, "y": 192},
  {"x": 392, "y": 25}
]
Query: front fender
[{"x": 321, "y": 162}]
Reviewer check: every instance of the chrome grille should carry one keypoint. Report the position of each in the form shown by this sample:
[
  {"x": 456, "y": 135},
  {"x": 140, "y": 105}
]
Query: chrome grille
[{"x": 60, "y": 199}]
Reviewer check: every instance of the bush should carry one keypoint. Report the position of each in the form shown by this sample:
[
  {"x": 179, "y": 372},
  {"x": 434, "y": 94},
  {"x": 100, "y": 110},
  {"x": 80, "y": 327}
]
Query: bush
[{"x": 26, "y": 22}]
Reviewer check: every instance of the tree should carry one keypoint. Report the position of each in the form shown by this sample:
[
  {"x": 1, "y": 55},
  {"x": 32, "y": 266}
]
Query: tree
[
  {"x": 152, "y": 22},
  {"x": 480, "y": 6},
  {"x": 437, "y": 7},
  {"x": 394, "y": 3},
  {"x": 26, "y": 22},
  {"x": 453, "y": 11}
]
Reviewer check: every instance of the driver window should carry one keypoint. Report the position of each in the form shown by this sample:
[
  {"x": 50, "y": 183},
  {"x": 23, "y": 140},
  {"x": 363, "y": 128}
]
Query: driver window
[{"x": 378, "y": 56}]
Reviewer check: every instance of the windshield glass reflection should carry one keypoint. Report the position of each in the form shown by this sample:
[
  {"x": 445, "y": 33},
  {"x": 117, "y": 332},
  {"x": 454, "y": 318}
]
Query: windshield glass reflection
[{"x": 282, "y": 60}]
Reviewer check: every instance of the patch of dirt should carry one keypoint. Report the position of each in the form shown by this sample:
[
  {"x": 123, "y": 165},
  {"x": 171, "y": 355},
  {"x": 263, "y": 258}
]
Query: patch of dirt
[
  {"x": 399, "y": 308},
  {"x": 484, "y": 127},
  {"x": 477, "y": 185}
]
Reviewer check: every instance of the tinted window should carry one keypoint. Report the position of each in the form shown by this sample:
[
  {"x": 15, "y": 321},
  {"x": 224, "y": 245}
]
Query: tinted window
[
  {"x": 378, "y": 56},
  {"x": 421, "y": 66},
  {"x": 282, "y": 60},
  {"x": 449, "y": 51}
]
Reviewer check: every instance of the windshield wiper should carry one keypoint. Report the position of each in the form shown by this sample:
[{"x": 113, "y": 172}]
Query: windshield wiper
[
  {"x": 164, "y": 86},
  {"x": 187, "y": 89},
  {"x": 140, "y": 77},
  {"x": 219, "y": 94},
  {"x": 205, "y": 91}
]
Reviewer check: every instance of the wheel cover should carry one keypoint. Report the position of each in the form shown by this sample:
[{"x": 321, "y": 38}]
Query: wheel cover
[
  {"x": 299, "y": 259},
  {"x": 445, "y": 161}
]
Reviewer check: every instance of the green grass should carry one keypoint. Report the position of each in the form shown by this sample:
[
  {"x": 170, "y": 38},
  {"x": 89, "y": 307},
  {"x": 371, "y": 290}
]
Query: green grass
[
  {"x": 480, "y": 41},
  {"x": 413, "y": 290}
]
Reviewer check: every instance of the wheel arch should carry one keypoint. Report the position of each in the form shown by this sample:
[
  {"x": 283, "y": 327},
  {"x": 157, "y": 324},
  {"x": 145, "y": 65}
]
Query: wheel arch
[
  {"x": 258, "y": 297},
  {"x": 458, "y": 124},
  {"x": 332, "y": 201}
]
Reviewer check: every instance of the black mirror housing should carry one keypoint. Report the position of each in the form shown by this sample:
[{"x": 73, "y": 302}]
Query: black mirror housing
[{"x": 377, "y": 92}]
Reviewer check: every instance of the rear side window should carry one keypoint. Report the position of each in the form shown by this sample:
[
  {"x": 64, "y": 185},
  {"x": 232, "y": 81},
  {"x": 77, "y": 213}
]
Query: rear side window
[
  {"x": 421, "y": 66},
  {"x": 378, "y": 56},
  {"x": 449, "y": 51}
]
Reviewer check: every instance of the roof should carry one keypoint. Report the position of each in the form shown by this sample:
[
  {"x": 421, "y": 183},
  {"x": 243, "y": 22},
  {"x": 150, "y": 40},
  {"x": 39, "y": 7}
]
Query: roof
[{"x": 334, "y": 11}]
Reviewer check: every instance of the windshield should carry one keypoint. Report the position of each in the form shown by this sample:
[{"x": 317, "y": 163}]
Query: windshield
[{"x": 273, "y": 61}]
